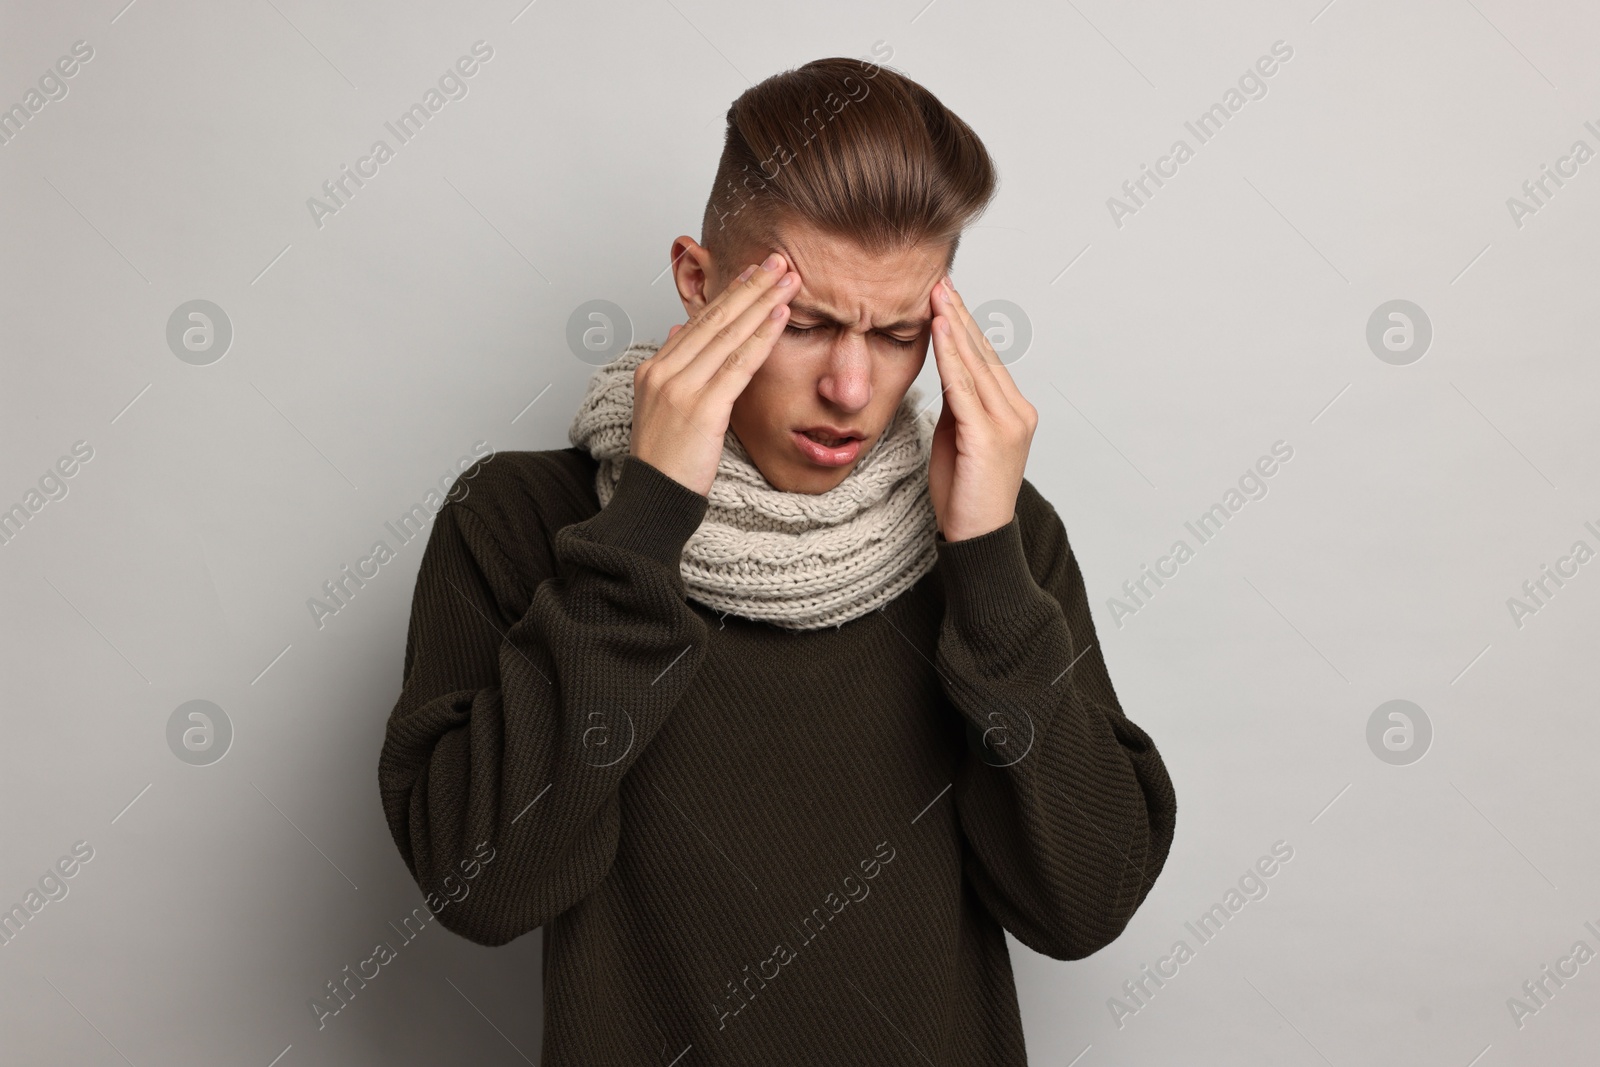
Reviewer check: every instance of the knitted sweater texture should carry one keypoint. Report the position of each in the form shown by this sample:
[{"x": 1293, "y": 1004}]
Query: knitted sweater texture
[{"x": 746, "y": 844}]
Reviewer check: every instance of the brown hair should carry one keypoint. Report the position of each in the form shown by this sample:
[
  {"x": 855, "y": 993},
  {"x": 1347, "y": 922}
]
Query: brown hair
[{"x": 852, "y": 148}]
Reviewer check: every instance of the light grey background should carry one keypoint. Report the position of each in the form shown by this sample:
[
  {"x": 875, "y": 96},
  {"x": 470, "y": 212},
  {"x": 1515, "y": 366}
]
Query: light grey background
[{"x": 1169, "y": 353}]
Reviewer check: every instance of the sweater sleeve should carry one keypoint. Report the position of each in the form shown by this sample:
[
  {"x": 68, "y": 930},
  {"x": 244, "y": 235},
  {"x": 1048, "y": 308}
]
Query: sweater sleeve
[
  {"x": 504, "y": 753},
  {"x": 1065, "y": 805}
]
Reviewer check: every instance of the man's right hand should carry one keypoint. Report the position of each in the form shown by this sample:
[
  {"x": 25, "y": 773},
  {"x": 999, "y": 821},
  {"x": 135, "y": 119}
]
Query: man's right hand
[{"x": 683, "y": 395}]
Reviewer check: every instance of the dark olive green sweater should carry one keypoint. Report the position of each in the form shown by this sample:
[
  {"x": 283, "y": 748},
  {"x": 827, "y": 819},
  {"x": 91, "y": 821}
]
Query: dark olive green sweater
[{"x": 748, "y": 845}]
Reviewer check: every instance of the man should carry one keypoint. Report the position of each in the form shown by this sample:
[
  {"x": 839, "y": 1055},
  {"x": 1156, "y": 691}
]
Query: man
[{"x": 773, "y": 703}]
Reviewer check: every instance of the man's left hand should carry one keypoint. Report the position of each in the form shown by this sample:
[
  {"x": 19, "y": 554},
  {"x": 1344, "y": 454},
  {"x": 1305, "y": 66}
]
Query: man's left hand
[{"x": 981, "y": 441}]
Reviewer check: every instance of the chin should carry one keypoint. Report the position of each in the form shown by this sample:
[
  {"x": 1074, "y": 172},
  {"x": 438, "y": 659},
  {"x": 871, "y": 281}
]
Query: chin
[
  {"x": 821, "y": 481},
  {"x": 802, "y": 477}
]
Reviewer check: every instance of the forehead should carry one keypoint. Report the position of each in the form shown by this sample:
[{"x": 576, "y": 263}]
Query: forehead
[{"x": 843, "y": 280}]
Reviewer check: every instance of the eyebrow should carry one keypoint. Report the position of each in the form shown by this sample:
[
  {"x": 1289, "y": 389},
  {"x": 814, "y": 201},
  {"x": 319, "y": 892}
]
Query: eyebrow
[{"x": 812, "y": 311}]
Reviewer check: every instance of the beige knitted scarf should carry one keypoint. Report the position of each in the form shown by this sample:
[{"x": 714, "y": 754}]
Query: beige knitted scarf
[{"x": 802, "y": 561}]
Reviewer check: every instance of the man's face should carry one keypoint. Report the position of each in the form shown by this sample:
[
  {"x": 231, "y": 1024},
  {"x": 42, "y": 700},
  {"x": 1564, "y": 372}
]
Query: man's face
[{"x": 856, "y": 339}]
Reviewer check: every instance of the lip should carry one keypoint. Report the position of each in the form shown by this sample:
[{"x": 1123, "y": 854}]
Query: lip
[
  {"x": 834, "y": 431},
  {"x": 824, "y": 456}
]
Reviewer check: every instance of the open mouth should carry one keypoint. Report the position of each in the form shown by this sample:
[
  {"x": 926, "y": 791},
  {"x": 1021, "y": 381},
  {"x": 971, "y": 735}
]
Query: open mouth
[
  {"x": 825, "y": 439},
  {"x": 827, "y": 449}
]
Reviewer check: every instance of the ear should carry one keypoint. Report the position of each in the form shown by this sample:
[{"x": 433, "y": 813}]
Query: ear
[{"x": 694, "y": 273}]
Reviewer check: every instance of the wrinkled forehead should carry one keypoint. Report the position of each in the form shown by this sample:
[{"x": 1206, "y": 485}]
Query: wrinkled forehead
[{"x": 843, "y": 281}]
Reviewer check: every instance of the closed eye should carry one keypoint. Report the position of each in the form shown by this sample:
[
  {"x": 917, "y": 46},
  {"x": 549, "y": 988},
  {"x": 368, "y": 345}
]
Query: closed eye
[{"x": 893, "y": 340}]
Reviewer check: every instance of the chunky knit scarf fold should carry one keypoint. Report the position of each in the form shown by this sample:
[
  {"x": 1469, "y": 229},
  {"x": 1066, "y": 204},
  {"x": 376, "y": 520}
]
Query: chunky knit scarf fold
[{"x": 801, "y": 561}]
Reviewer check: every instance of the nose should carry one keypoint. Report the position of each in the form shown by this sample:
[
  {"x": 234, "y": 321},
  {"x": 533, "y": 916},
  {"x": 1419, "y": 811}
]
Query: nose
[{"x": 847, "y": 380}]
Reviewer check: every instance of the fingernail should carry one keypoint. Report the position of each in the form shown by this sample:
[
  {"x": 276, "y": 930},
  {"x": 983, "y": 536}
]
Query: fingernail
[
  {"x": 771, "y": 262},
  {"x": 747, "y": 272},
  {"x": 785, "y": 280}
]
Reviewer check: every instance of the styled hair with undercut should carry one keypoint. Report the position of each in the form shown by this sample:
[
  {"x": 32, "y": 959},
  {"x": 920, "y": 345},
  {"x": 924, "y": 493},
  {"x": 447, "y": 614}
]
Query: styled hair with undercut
[{"x": 856, "y": 150}]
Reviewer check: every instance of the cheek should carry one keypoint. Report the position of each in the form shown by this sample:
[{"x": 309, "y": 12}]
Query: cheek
[
  {"x": 784, "y": 379},
  {"x": 753, "y": 413},
  {"x": 909, "y": 372},
  {"x": 918, "y": 358}
]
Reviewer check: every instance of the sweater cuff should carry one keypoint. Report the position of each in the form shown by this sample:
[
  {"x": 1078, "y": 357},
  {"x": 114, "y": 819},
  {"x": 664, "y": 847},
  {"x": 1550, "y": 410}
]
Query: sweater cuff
[
  {"x": 986, "y": 578},
  {"x": 650, "y": 513}
]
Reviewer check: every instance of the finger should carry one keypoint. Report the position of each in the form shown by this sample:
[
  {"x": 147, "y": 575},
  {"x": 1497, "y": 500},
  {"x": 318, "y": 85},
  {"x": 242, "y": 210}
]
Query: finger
[
  {"x": 981, "y": 346},
  {"x": 988, "y": 389},
  {"x": 959, "y": 385},
  {"x": 723, "y": 309},
  {"x": 741, "y": 364},
  {"x": 957, "y": 308},
  {"x": 953, "y": 373},
  {"x": 666, "y": 347},
  {"x": 710, "y": 357}
]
